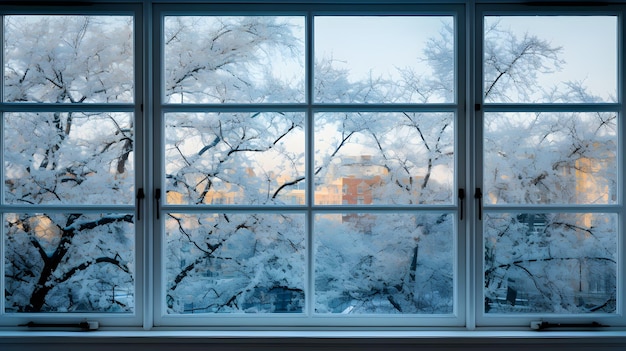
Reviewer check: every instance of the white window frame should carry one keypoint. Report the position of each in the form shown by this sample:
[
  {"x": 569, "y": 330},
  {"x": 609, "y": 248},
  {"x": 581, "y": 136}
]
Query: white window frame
[
  {"x": 513, "y": 320},
  {"x": 468, "y": 315},
  {"x": 136, "y": 317},
  {"x": 307, "y": 318}
]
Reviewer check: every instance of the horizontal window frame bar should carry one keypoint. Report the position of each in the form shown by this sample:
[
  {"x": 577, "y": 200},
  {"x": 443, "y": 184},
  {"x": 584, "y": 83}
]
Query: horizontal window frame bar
[
  {"x": 549, "y": 8},
  {"x": 308, "y": 322},
  {"x": 8, "y": 208},
  {"x": 583, "y": 208},
  {"x": 400, "y": 107},
  {"x": 195, "y": 108},
  {"x": 547, "y": 107},
  {"x": 117, "y": 319},
  {"x": 78, "y": 107},
  {"x": 61, "y": 8},
  {"x": 304, "y": 208},
  {"x": 313, "y": 8},
  {"x": 307, "y": 315}
]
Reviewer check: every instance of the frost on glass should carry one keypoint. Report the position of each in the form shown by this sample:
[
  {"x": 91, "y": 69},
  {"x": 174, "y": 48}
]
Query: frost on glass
[
  {"x": 68, "y": 59},
  {"x": 556, "y": 59},
  {"x": 68, "y": 158},
  {"x": 225, "y": 59},
  {"x": 384, "y": 158},
  {"x": 234, "y": 158},
  {"x": 234, "y": 263},
  {"x": 62, "y": 262},
  {"x": 550, "y": 158},
  {"x": 542, "y": 262},
  {"x": 384, "y": 263},
  {"x": 384, "y": 59}
]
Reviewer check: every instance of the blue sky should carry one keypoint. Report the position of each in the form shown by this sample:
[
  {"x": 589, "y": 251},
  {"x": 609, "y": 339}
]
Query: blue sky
[{"x": 589, "y": 44}]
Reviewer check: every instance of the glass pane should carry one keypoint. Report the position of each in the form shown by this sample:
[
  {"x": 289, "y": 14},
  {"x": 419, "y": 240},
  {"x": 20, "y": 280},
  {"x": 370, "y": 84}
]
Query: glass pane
[
  {"x": 68, "y": 158},
  {"x": 550, "y": 158},
  {"x": 550, "y": 262},
  {"x": 243, "y": 59},
  {"x": 61, "y": 262},
  {"x": 386, "y": 263},
  {"x": 384, "y": 158},
  {"x": 234, "y": 158},
  {"x": 559, "y": 59},
  {"x": 387, "y": 59},
  {"x": 68, "y": 59},
  {"x": 235, "y": 263}
]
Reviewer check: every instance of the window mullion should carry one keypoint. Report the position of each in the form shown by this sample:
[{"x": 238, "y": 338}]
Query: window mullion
[{"x": 310, "y": 161}]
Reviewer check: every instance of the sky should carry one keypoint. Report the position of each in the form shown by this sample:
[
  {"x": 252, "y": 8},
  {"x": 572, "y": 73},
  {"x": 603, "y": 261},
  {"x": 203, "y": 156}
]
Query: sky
[
  {"x": 589, "y": 44},
  {"x": 377, "y": 43}
]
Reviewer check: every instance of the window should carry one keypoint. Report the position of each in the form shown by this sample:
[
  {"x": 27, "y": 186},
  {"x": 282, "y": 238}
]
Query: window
[
  {"x": 69, "y": 144},
  {"x": 312, "y": 164},
  {"x": 252, "y": 107},
  {"x": 550, "y": 165}
]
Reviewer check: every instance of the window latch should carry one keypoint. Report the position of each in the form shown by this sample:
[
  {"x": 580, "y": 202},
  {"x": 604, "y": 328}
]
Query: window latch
[
  {"x": 157, "y": 199},
  {"x": 461, "y": 201},
  {"x": 478, "y": 195},
  {"x": 140, "y": 196}
]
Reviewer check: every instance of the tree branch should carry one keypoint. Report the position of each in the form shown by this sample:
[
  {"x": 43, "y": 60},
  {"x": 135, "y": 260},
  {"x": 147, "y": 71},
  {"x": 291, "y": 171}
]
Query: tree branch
[{"x": 86, "y": 265}]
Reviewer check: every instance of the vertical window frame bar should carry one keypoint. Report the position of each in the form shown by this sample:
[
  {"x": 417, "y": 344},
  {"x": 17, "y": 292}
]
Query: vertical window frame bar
[
  {"x": 2, "y": 177},
  {"x": 309, "y": 151}
]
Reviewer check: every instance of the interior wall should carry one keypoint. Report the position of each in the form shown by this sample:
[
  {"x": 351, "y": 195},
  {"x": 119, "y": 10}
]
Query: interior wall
[{"x": 308, "y": 344}]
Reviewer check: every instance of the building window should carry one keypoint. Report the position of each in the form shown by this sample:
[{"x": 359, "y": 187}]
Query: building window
[{"x": 308, "y": 164}]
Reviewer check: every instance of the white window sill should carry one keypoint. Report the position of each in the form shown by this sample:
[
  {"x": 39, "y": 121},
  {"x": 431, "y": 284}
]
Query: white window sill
[{"x": 32, "y": 336}]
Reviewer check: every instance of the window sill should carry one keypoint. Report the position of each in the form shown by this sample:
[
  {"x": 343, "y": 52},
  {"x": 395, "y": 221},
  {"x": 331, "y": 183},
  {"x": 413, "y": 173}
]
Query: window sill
[{"x": 451, "y": 335}]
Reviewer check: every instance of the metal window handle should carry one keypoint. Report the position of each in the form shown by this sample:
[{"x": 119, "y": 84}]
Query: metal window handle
[
  {"x": 157, "y": 198},
  {"x": 461, "y": 201},
  {"x": 84, "y": 325},
  {"x": 541, "y": 325},
  {"x": 140, "y": 196},
  {"x": 478, "y": 195}
]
